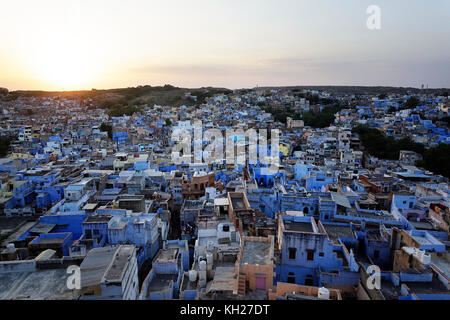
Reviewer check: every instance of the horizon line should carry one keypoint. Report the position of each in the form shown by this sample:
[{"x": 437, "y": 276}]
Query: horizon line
[{"x": 237, "y": 88}]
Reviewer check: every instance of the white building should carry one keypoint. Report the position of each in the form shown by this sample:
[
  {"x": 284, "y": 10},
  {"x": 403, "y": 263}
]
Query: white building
[{"x": 110, "y": 273}]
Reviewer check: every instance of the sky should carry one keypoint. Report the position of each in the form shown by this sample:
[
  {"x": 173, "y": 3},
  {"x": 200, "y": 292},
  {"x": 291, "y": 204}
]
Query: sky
[{"x": 84, "y": 44}]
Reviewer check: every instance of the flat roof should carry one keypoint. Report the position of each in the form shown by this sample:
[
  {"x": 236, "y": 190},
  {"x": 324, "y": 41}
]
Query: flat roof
[
  {"x": 299, "y": 226},
  {"x": 256, "y": 252},
  {"x": 167, "y": 254},
  {"x": 221, "y": 202},
  {"x": 421, "y": 239},
  {"x": 238, "y": 203},
  {"x": 40, "y": 284},
  {"x": 442, "y": 263},
  {"x": 55, "y": 240},
  {"x": 95, "y": 264},
  {"x": 161, "y": 282},
  {"x": 223, "y": 280},
  {"x": 435, "y": 286},
  {"x": 119, "y": 263},
  {"x": 336, "y": 231},
  {"x": 340, "y": 199},
  {"x": 98, "y": 218},
  {"x": 42, "y": 227}
]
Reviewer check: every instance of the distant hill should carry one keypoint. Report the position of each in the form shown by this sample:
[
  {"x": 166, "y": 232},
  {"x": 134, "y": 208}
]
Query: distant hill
[
  {"x": 359, "y": 90},
  {"x": 107, "y": 98},
  {"x": 175, "y": 96}
]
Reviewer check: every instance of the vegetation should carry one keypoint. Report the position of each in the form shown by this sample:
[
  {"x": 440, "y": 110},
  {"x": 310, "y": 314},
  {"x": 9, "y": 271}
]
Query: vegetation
[
  {"x": 106, "y": 128},
  {"x": 412, "y": 102},
  {"x": 168, "y": 122},
  {"x": 322, "y": 119},
  {"x": 202, "y": 94},
  {"x": 298, "y": 148},
  {"x": 446, "y": 119},
  {"x": 437, "y": 159},
  {"x": 380, "y": 146},
  {"x": 119, "y": 110},
  {"x": 4, "y": 146},
  {"x": 148, "y": 95},
  {"x": 278, "y": 115},
  {"x": 315, "y": 99}
]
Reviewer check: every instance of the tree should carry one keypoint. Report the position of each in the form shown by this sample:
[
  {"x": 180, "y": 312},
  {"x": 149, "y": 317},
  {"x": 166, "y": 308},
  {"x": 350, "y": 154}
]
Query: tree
[
  {"x": 106, "y": 128},
  {"x": 119, "y": 110},
  {"x": 168, "y": 122},
  {"x": 3, "y": 91},
  {"x": 4, "y": 146},
  {"x": 380, "y": 146},
  {"x": 392, "y": 110},
  {"x": 436, "y": 159},
  {"x": 322, "y": 119},
  {"x": 412, "y": 102}
]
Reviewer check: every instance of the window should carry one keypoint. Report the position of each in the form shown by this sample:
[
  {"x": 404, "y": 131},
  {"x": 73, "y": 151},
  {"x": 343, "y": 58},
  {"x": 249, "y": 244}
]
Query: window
[
  {"x": 310, "y": 255},
  {"x": 292, "y": 253},
  {"x": 376, "y": 254},
  {"x": 96, "y": 232},
  {"x": 309, "y": 281},
  {"x": 226, "y": 228},
  {"x": 321, "y": 254},
  {"x": 291, "y": 277}
]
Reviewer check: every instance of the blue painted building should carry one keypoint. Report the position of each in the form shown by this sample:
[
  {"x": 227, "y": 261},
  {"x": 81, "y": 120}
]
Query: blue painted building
[{"x": 309, "y": 257}]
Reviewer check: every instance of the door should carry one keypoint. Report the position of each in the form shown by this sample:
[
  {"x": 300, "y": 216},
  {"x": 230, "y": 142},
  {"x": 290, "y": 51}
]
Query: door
[{"x": 260, "y": 283}]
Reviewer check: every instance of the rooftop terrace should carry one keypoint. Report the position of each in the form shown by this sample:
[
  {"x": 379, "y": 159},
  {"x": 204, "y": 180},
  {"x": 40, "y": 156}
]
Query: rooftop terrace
[
  {"x": 256, "y": 252},
  {"x": 338, "y": 231},
  {"x": 299, "y": 226},
  {"x": 119, "y": 263},
  {"x": 161, "y": 282},
  {"x": 36, "y": 285}
]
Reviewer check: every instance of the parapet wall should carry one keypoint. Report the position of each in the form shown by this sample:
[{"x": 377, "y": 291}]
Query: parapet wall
[{"x": 17, "y": 266}]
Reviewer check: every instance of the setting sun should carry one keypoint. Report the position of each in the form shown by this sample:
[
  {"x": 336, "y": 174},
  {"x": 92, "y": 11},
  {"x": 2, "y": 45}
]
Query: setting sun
[{"x": 63, "y": 67}]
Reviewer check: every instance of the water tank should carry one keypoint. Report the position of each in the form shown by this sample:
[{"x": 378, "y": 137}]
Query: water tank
[
  {"x": 201, "y": 283},
  {"x": 11, "y": 248},
  {"x": 324, "y": 293},
  {"x": 202, "y": 265},
  {"x": 426, "y": 259},
  {"x": 209, "y": 258},
  {"x": 192, "y": 275},
  {"x": 201, "y": 279},
  {"x": 419, "y": 254},
  {"x": 202, "y": 275}
]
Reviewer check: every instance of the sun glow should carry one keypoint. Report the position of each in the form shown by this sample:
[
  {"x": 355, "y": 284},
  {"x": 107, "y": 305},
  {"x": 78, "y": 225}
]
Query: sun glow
[{"x": 64, "y": 69}]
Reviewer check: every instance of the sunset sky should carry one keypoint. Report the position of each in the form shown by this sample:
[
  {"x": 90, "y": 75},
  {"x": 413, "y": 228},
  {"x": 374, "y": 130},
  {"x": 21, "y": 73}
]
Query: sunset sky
[{"x": 84, "y": 44}]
